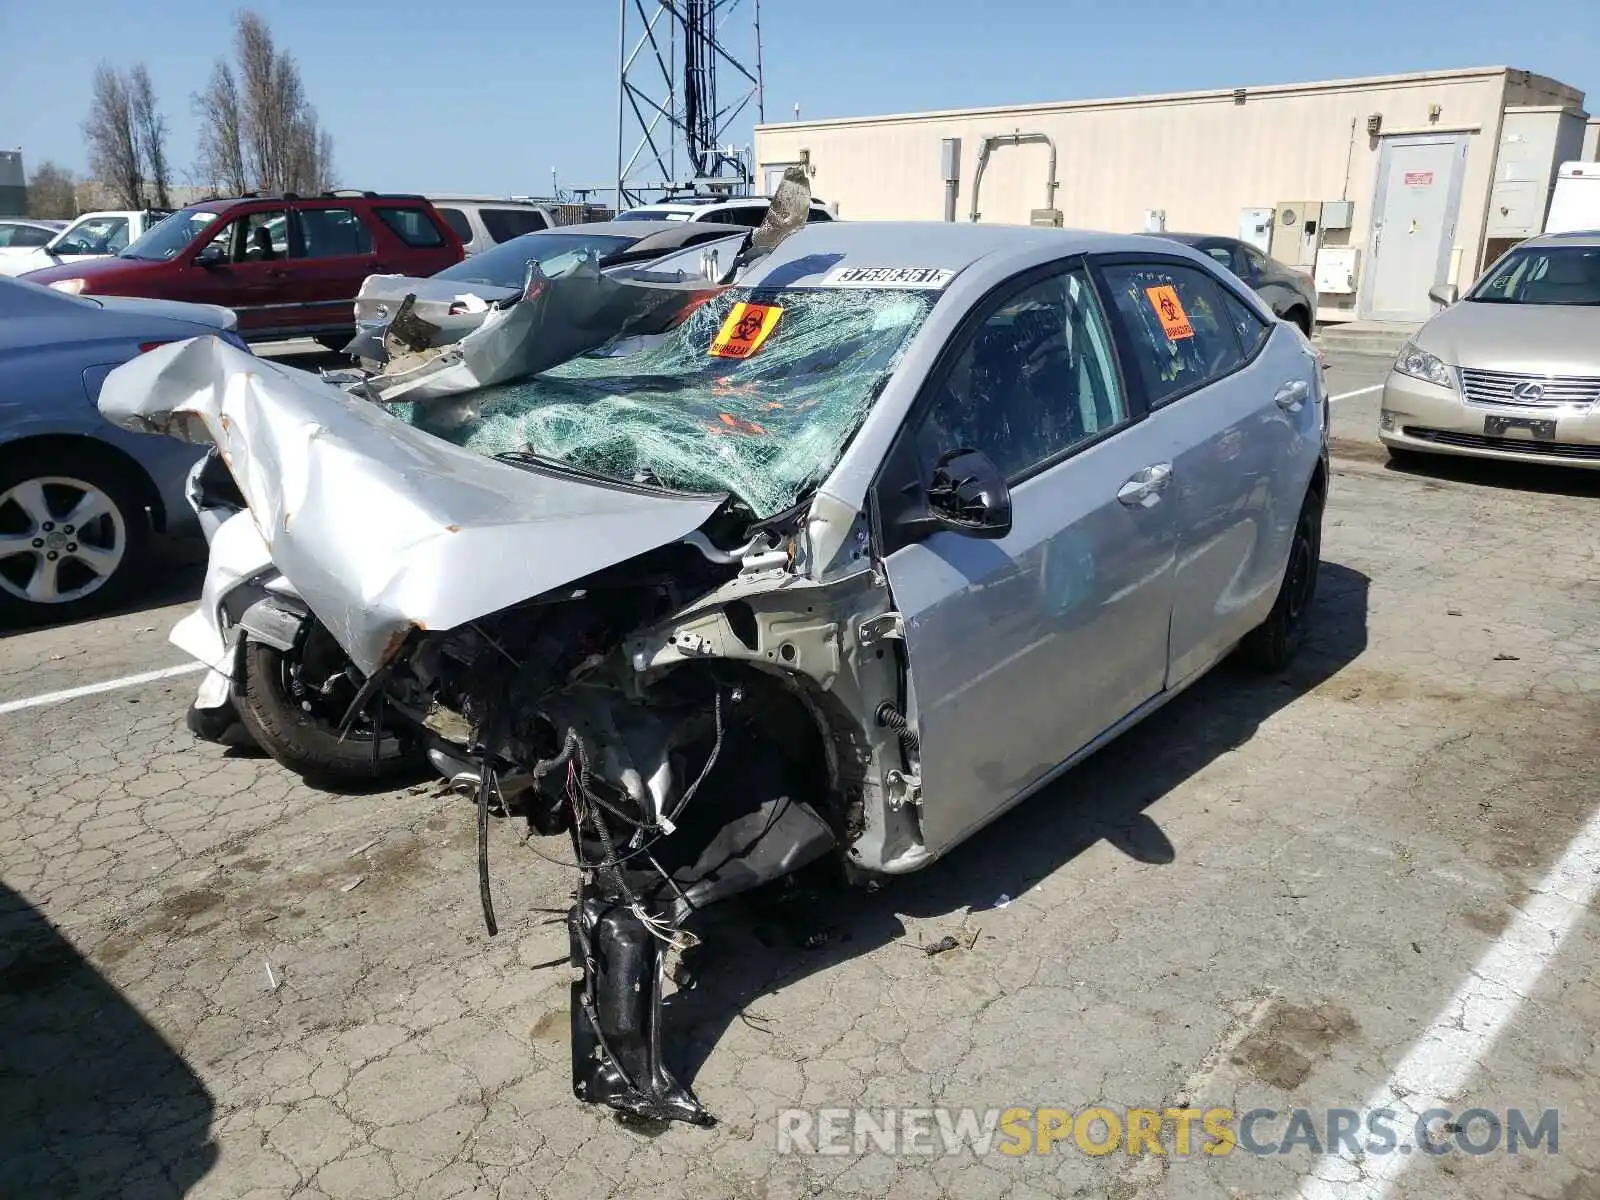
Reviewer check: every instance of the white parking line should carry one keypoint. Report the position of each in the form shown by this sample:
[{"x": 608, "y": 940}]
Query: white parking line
[
  {"x": 1377, "y": 387},
  {"x": 1461, "y": 1036},
  {"x": 92, "y": 689}
]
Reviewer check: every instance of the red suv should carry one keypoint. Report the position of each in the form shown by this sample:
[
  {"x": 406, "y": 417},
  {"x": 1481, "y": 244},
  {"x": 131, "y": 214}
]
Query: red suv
[{"x": 289, "y": 265}]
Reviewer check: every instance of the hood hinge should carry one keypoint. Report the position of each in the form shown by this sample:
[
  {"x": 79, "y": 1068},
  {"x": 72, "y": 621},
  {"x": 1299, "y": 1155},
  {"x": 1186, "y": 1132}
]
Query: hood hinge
[{"x": 881, "y": 628}]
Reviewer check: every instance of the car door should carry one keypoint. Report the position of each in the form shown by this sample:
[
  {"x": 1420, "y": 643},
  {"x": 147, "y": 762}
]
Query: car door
[
  {"x": 1022, "y": 650},
  {"x": 1236, "y": 400},
  {"x": 333, "y": 255},
  {"x": 243, "y": 266}
]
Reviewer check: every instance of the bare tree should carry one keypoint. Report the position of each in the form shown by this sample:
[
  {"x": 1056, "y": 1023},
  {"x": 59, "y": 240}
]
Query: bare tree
[
  {"x": 51, "y": 193},
  {"x": 113, "y": 138},
  {"x": 150, "y": 134},
  {"x": 221, "y": 159},
  {"x": 257, "y": 128}
]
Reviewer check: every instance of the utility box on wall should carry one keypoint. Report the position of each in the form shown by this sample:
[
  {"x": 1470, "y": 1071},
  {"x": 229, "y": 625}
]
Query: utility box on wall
[
  {"x": 1336, "y": 272},
  {"x": 1255, "y": 228},
  {"x": 1534, "y": 142},
  {"x": 1297, "y": 232}
]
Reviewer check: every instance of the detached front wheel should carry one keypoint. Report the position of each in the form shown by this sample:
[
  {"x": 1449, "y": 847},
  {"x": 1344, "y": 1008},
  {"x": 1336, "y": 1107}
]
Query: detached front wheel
[{"x": 293, "y": 703}]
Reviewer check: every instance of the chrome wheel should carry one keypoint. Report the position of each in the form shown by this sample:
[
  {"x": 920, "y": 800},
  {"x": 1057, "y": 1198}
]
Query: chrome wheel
[{"x": 61, "y": 539}]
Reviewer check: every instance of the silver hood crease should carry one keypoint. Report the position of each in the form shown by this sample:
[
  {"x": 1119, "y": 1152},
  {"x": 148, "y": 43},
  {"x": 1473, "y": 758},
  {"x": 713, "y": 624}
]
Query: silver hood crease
[{"x": 384, "y": 528}]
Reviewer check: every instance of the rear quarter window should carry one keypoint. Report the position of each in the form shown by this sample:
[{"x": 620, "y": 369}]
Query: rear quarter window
[
  {"x": 504, "y": 224},
  {"x": 410, "y": 225},
  {"x": 457, "y": 220}
]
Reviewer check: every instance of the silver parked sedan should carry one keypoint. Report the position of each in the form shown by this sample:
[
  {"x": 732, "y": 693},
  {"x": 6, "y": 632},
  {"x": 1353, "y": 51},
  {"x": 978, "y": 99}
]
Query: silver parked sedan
[
  {"x": 1513, "y": 370},
  {"x": 896, "y": 524}
]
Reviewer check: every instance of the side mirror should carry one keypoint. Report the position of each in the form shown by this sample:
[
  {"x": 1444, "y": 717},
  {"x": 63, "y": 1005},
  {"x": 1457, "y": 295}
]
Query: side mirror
[
  {"x": 210, "y": 256},
  {"x": 1444, "y": 293},
  {"x": 69, "y": 247},
  {"x": 967, "y": 494}
]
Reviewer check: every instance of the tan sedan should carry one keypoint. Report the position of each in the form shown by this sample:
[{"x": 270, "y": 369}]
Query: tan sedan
[{"x": 1513, "y": 370}]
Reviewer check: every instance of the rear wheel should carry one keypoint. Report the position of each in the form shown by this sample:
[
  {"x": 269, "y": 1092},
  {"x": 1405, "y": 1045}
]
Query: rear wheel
[
  {"x": 1299, "y": 317},
  {"x": 1272, "y": 645},
  {"x": 293, "y": 703},
  {"x": 74, "y": 536}
]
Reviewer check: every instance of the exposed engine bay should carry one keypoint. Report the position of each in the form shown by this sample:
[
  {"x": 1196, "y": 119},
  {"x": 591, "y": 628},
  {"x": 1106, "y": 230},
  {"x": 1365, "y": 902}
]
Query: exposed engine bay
[{"x": 696, "y": 734}]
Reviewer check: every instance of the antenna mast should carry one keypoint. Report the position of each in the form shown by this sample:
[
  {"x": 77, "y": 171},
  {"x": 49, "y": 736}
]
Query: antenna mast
[{"x": 671, "y": 56}]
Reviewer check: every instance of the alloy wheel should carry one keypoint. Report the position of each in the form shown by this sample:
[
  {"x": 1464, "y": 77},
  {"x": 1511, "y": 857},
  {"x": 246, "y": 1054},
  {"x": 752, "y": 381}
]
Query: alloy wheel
[{"x": 61, "y": 539}]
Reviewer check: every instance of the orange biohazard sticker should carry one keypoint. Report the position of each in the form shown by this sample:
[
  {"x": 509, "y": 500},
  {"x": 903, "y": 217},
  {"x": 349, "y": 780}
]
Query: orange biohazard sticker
[
  {"x": 747, "y": 326},
  {"x": 1169, "y": 310}
]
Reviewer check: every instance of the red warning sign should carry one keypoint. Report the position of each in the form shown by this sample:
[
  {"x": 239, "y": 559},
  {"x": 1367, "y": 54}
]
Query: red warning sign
[
  {"x": 1419, "y": 178},
  {"x": 1169, "y": 310},
  {"x": 747, "y": 326}
]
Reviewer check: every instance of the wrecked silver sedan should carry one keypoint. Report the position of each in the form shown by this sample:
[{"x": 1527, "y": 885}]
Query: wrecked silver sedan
[{"x": 861, "y": 552}]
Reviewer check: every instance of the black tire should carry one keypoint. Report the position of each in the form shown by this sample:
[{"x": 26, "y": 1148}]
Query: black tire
[
  {"x": 1272, "y": 645},
  {"x": 335, "y": 342},
  {"x": 307, "y": 742},
  {"x": 64, "y": 478},
  {"x": 1300, "y": 317}
]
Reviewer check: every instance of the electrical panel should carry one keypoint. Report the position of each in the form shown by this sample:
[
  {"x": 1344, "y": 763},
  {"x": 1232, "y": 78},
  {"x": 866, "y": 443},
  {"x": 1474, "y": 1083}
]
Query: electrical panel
[
  {"x": 1337, "y": 214},
  {"x": 1255, "y": 228},
  {"x": 1336, "y": 272},
  {"x": 1048, "y": 217},
  {"x": 1297, "y": 232}
]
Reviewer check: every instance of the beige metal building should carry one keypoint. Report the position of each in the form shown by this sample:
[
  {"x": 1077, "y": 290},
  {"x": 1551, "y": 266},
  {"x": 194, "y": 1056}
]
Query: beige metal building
[{"x": 1383, "y": 186}]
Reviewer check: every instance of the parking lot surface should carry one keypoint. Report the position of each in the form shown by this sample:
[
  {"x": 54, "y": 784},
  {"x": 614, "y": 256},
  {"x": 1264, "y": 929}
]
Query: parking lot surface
[{"x": 1282, "y": 892}]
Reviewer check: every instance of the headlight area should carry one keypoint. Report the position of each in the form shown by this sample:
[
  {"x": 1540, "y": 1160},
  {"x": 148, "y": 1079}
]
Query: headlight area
[
  {"x": 1429, "y": 368},
  {"x": 72, "y": 287}
]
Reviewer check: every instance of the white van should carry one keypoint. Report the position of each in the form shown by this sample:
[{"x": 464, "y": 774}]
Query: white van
[{"x": 1575, "y": 199}]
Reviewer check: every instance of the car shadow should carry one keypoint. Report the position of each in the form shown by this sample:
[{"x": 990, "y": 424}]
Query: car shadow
[
  {"x": 178, "y": 572},
  {"x": 1497, "y": 473},
  {"x": 95, "y": 1102},
  {"x": 748, "y": 952}
]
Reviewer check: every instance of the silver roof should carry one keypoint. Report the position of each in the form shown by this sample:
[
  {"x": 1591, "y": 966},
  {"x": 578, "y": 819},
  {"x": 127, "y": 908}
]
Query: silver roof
[
  {"x": 1585, "y": 238},
  {"x": 802, "y": 259}
]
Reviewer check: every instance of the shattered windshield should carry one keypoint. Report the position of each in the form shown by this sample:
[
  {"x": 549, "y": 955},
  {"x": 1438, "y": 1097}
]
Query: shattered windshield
[{"x": 755, "y": 394}]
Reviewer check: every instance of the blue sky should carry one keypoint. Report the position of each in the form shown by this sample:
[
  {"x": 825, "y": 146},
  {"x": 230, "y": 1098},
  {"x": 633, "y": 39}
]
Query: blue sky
[{"x": 489, "y": 95}]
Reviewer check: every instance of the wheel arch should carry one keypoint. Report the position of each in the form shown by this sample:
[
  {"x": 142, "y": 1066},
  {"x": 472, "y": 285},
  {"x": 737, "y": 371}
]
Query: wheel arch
[{"x": 102, "y": 454}]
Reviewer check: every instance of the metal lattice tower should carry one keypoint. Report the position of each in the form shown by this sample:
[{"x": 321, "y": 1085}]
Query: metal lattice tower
[{"x": 675, "y": 130}]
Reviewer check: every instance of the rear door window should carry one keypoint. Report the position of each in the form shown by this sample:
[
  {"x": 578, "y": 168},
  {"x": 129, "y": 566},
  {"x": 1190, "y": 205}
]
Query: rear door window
[
  {"x": 1178, "y": 327},
  {"x": 333, "y": 233},
  {"x": 410, "y": 225},
  {"x": 504, "y": 224}
]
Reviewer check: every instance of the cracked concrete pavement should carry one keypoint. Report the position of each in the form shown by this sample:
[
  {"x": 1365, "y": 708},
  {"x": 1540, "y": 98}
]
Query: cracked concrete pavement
[{"x": 216, "y": 982}]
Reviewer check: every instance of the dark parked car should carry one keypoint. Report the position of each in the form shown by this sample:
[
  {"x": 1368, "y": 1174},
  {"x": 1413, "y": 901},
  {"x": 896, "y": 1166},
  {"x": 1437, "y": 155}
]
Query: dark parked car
[
  {"x": 79, "y": 497},
  {"x": 1289, "y": 293},
  {"x": 289, "y": 266}
]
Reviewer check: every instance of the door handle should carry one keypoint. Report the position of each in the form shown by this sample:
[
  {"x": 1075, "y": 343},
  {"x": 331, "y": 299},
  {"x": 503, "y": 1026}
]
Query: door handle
[
  {"x": 1290, "y": 396},
  {"x": 1144, "y": 488}
]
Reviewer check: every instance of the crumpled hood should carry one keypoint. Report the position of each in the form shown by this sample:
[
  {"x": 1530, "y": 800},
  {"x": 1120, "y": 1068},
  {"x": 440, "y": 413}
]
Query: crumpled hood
[
  {"x": 1539, "y": 339},
  {"x": 381, "y": 527}
]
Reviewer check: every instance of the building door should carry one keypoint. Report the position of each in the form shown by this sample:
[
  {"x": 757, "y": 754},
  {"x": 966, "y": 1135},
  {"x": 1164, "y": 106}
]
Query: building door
[{"x": 1413, "y": 225}]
